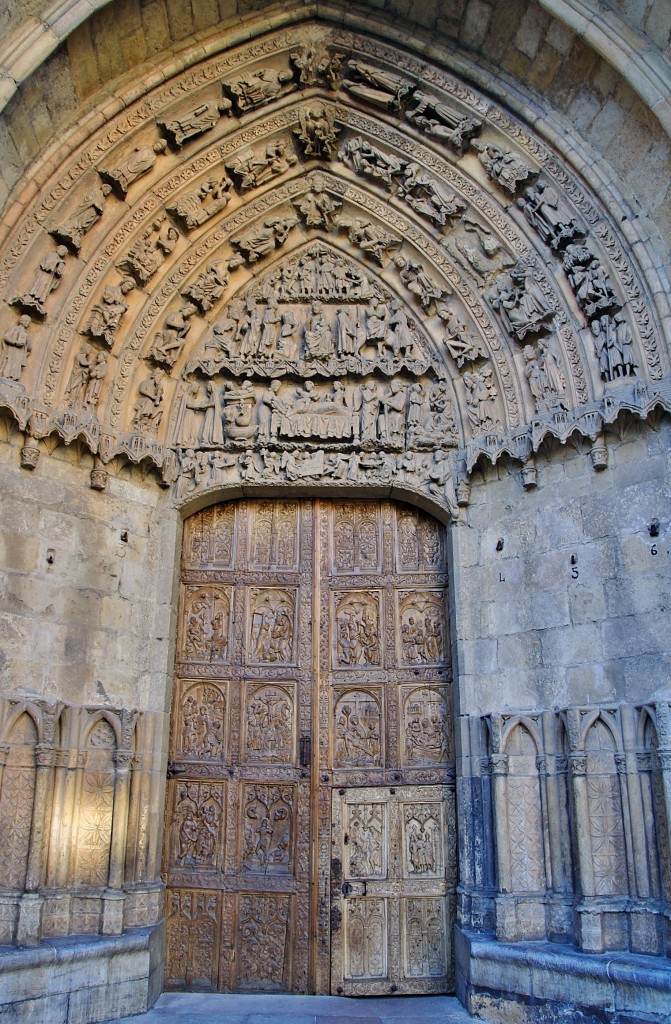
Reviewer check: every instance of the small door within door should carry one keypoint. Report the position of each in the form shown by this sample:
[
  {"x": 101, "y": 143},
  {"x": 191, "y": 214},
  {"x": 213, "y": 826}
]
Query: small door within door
[{"x": 389, "y": 908}]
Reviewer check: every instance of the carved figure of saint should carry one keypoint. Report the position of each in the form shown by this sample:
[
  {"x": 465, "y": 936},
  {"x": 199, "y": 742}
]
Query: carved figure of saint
[
  {"x": 436, "y": 118},
  {"x": 212, "y": 431},
  {"x": 128, "y": 170},
  {"x": 375, "y": 85},
  {"x": 88, "y": 211},
  {"x": 503, "y": 166},
  {"x": 201, "y": 119},
  {"x": 391, "y": 420},
  {"x": 365, "y": 159},
  {"x": 45, "y": 280},
  {"x": 416, "y": 280},
  {"x": 169, "y": 342},
  {"x": 268, "y": 339},
  {"x": 614, "y": 346},
  {"x": 318, "y": 335},
  {"x": 148, "y": 412},
  {"x": 258, "y": 87},
  {"x": 15, "y": 349},
  {"x": 540, "y": 206},
  {"x": 106, "y": 315}
]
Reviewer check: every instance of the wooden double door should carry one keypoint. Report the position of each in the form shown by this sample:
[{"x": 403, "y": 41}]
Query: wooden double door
[{"x": 310, "y": 828}]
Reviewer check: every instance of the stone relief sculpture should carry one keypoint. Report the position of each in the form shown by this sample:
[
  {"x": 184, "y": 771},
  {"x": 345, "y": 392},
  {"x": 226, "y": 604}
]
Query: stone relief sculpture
[
  {"x": 316, "y": 65},
  {"x": 15, "y": 349},
  {"x": 107, "y": 314},
  {"x": 523, "y": 307},
  {"x": 505, "y": 168},
  {"x": 127, "y": 171},
  {"x": 258, "y": 88},
  {"x": 148, "y": 409},
  {"x": 262, "y": 240},
  {"x": 541, "y": 207},
  {"x": 89, "y": 209},
  {"x": 197, "y": 206},
  {"x": 88, "y": 373},
  {"x": 418, "y": 281},
  {"x": 195, "y": 122},
  {"x": 374, "y": 85},
  {"x": 45, "y": 280},
  {"x": 254, "y": 167},
  {"x": 614, "y": 346},
  {"x": 427, "y": 196},
  {"x": 149, "y": 252},
  {"x": 589, "y": 280},
  {"x": 209, "y": 286},
  {"x": 318, "y": 209},
  {"x": 369, "y": 237},
  {"x": 169, "y": 342},
  {"x": 545, "y": 377},
  {"x": 463, "y": 345},
  {"x": 317, "y": 132},
  {"x": 436, "y": 118},
  {"x": 481, "y": 395},
  {"x": 366, "y": 159}
]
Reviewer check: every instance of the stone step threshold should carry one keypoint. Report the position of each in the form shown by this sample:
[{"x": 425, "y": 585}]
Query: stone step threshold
[{"x": 554, "y": 980}]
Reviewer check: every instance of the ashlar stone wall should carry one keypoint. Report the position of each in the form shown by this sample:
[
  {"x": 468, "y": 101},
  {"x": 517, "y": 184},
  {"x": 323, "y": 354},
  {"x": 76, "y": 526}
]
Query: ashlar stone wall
[{"x": 562, "y": 640}]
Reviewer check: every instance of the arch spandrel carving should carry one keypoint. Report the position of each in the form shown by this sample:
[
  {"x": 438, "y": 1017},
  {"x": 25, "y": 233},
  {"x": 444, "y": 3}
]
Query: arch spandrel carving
[{"x": 123, "y": 269}]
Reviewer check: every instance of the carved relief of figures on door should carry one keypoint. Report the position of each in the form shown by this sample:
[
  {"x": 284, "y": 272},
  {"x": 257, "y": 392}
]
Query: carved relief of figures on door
[{"x": 270, "y": 590}]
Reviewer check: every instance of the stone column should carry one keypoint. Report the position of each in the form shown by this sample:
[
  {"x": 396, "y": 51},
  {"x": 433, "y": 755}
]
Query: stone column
[
  {"x": 113, "y": 899},
  {"x": 30, "y": 910}
]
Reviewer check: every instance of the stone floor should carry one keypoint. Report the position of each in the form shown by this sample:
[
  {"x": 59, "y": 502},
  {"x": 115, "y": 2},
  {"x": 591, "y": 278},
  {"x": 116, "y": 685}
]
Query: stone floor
[{"x": 187, "y": 1008}]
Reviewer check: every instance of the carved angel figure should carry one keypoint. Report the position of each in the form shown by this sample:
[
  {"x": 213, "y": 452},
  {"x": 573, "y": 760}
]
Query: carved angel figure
[
  {"x": 169, "y": 342},
  {"x": 369, "y": 237},
  {"x": 317, "y": 132},
  {"x": 88, "y": 211},
  {"x": 46, "y": 279},
  {"x": 15, "y": 349},
  {"x": 462, "y": 344},
  {"x": 106, "y": 315},
  {"x": 315, "y": 65},
  {"x": 546, "y": 381},
  {"x": 209, "y": 286},
  {"x": 128, "y": 170}
]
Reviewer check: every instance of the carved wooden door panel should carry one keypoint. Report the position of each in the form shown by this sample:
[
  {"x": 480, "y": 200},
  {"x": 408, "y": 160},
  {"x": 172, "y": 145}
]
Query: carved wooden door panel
[
  {"x": 237, "y": 850},
  {"x": 272, "y": 714},
  {"x": 385, "y": 748},
  {"x": 391, "y": 913}
]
